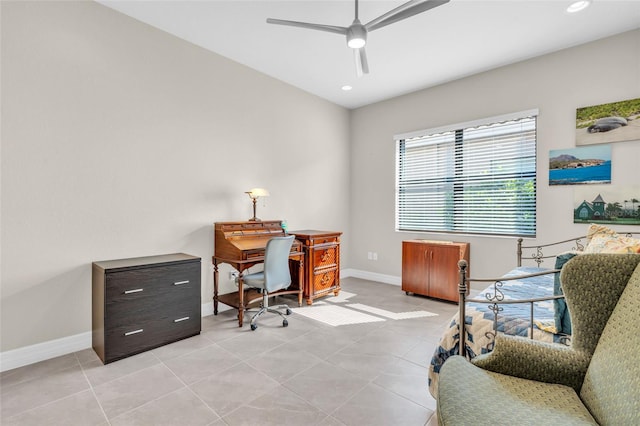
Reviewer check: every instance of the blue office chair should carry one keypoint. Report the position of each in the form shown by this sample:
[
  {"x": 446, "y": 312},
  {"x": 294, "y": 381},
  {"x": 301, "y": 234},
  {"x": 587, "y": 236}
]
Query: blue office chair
[{"x": 275, "y": 276}]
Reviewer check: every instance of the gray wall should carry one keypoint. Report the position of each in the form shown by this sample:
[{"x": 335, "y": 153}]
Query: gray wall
[
  {"x": 603, "y": 71},
  {"x": 119, "y": 140}
]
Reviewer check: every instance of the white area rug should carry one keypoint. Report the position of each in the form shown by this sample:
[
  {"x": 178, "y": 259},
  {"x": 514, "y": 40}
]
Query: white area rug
[{"x": 335, "y": 315}]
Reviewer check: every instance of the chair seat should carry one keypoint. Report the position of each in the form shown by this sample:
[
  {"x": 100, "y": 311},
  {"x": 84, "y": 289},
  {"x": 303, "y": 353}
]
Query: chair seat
[{"x": 507, "y": 401}]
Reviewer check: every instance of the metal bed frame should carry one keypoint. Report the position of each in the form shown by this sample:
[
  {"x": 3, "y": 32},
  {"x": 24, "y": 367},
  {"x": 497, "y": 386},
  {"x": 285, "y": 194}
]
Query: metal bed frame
[{"x": 495, "y": 298}]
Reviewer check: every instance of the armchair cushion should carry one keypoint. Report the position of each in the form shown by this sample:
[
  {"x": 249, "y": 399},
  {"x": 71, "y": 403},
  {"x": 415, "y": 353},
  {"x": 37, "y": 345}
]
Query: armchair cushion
[{"x": 510, "y": 401}]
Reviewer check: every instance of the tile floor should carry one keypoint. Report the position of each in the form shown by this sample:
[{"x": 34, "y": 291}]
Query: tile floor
[{"x": 309, "y": 373}]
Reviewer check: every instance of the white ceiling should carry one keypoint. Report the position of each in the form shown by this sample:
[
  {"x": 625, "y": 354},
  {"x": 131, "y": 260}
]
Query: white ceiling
[{"x": 460, "y": 38}]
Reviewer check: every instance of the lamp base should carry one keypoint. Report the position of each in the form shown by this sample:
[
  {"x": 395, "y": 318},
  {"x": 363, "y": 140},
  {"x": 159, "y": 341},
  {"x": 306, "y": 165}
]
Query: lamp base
[{"x": 255, "y": 219}]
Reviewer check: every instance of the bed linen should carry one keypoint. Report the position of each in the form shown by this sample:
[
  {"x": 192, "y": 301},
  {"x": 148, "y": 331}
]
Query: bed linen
[{"x": 513, "y": 319}]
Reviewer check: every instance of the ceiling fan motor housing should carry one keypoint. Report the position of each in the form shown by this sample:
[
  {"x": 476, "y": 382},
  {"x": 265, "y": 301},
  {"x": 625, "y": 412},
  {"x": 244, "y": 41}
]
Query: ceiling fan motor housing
[{"x": 356, "y": 35}]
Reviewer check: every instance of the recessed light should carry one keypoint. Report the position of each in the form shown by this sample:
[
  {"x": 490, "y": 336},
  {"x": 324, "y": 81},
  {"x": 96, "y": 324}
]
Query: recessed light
[
  {"x": 577, "y": 6},
  {"x": 346, "y": 88}
]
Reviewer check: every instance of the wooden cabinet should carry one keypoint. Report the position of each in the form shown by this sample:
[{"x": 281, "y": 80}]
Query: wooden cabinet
[
  {"x": 142, "y": 303},
  {"x": 321, "y": 263},
  {"x": 430, "y": 268}
]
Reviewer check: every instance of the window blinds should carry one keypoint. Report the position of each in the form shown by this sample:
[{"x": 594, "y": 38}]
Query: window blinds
[{"x": 475, "y": 180}]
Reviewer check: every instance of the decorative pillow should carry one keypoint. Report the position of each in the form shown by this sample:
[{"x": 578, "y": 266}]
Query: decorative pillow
[
  {"x": 603, "y": 243},
  {"x": 561, "y": 313},
  {"x": 595, "y": 229}
]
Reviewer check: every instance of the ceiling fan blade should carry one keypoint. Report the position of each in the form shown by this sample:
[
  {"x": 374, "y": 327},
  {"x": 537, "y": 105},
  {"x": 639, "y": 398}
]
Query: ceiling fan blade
[
  {"x": 362, "y": 65},
  {"x": 320, "y": 27},
  {"x": 403, "y": 11}
]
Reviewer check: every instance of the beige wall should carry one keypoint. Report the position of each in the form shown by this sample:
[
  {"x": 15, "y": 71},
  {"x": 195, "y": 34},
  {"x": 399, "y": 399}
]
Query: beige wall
[
  {"x": 556, "y": 84},
  {"x": 119, "y": 140}
]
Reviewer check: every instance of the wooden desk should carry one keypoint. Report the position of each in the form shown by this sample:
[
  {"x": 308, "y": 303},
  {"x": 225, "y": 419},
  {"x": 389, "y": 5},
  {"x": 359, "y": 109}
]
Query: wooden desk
[{"x": 241, "y": 245}]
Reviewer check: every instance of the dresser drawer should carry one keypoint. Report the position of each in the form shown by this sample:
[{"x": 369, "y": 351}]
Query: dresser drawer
[
  {"x": 138, "y": 284},
  {"x": 137, "y": 335},
  {"x": 323, "y": 257}
]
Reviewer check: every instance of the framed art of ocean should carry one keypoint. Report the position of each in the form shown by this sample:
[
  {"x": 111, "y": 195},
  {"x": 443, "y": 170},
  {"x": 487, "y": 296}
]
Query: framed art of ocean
[{"x": 582, "y": 165}]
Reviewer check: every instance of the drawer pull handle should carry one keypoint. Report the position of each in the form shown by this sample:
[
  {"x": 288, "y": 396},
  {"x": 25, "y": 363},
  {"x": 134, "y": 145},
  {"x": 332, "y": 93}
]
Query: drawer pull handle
[
  {"x": 181, "y": 319},
  {"x": 181, "y": 282},
  {"x": 137, "y": 290},
  {"x": 129, "y": 333}
]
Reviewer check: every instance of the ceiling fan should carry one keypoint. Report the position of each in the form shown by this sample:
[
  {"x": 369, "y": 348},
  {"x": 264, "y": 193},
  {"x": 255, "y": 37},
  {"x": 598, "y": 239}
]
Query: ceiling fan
[{"x": 356, "y": 33}]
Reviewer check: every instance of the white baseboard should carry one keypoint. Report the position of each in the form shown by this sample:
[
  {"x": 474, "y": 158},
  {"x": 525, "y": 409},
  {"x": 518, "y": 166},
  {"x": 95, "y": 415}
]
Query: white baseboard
[
  {"x": 373, "y": 276},
  {"x": 42, "y": 351},
  {"x": 53, "y": 348}
]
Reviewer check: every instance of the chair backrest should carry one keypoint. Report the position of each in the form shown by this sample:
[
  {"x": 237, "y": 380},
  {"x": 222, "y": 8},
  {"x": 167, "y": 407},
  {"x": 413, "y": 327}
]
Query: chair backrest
[
  {"x": 611, "y": 388},
  {"x": 592, "y": 285},
  {"x": 276, "y": 263}
]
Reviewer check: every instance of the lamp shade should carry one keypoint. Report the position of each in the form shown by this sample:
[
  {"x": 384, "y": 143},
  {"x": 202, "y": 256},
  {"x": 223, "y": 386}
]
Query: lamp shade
[{"x": 258, "y": 192}]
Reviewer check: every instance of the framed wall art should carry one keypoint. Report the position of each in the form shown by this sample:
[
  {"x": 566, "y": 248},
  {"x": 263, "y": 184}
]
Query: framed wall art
[
  {"x": 611, "y": 204},
  {"x": 606, "y": 123},
  {"x": 582, "y": 165}
]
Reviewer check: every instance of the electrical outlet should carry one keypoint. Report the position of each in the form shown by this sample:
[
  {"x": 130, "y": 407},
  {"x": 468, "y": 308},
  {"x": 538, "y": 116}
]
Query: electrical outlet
[
  {"x": 369, "y": 255},
  {"x": 375, "y": 256}
]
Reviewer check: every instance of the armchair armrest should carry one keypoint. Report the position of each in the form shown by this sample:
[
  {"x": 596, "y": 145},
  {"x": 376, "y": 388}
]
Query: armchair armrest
[{"x": 535, "y": 360}]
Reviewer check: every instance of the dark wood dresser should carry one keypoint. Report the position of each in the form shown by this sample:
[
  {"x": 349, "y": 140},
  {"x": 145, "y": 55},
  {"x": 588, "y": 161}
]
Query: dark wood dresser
[
  {"x": 430, "y": 268},
  {"x": 321, "y": 262},
  {"x": 145, "y": 302}
]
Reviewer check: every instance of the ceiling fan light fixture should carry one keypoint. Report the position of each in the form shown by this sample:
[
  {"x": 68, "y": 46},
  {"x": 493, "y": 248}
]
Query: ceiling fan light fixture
[
  {"x": 356, "y": 35},
  {"x": 356, "y": 43}
]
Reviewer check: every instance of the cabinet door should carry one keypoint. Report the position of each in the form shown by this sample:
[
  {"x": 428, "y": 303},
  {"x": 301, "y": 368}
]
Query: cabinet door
[
  {"x": 443, "y": 276},
  {"x": 415, "y": 270}
]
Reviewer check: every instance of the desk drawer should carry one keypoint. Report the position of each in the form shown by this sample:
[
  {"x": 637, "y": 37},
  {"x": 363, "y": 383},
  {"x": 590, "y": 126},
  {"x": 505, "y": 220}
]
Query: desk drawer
[
  {"x": 320, "y": 241},
  {"x": 323, "y": 257},
  {"x": 324, "y": 280}
]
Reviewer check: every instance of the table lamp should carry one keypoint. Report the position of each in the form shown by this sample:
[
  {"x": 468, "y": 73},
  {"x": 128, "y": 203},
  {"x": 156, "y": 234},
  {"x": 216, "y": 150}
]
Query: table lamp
[{"x": 254, "y": 194}]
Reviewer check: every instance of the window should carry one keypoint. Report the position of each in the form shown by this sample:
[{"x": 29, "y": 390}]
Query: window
[{"x": 472, "y": 178}]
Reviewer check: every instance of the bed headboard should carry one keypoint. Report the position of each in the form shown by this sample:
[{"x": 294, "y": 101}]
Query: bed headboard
[{"x": 538, "y": 253}]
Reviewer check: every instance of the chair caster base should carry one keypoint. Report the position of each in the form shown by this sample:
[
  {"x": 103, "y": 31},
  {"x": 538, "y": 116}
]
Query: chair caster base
[
  {"x": 254, "y": 326},
  {"x": 288, "y": 311},
  {"x": 285, "y": 323}
]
